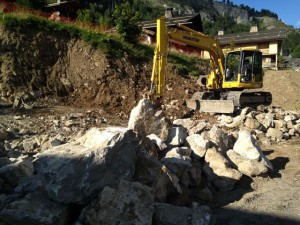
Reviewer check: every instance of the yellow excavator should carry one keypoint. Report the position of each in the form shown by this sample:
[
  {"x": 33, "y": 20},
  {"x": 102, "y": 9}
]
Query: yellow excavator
[{"x": 223, "y": 89}]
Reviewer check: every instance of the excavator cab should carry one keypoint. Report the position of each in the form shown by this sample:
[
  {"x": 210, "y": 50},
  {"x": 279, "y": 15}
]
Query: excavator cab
[{"x": 243, "y": 69}]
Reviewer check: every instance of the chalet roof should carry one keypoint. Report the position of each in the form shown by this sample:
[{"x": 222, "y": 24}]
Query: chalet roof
[
  {"x": 191, "y": 21},
  {"x": 60, "y": 3},
  {"x": 253, "y": 37}
]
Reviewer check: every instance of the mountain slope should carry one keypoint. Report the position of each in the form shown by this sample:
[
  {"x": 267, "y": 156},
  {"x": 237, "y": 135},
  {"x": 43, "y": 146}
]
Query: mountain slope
[{"x": 210, "y": 10}]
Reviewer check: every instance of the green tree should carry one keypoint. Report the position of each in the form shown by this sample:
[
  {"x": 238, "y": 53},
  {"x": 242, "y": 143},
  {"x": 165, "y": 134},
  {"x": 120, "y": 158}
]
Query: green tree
[
  {"x": 126, "y": 19},
  {"x": 225, "y": 23},
  {"x": 35, "y": 4},
  {"x": 296, "y": 52},
  {"x": 84, "y": 15},
  {"x": 290, "y": 43}
]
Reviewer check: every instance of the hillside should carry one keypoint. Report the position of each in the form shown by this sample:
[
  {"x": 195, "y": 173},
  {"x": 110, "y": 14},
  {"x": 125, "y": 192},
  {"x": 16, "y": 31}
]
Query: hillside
[{"x": 211, "y": 10}]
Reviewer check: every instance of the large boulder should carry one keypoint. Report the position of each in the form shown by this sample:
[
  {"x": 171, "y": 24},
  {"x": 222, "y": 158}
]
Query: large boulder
[
  {"x": 99, "y": 138},
  {"x": 252, "y": 124},
  {"x": 36, "y": 209},
  {"x": 166, "y": 214},
  {"x": 14, "y": 172},
  {"x": 198, "y": 144},
  {"x": 248, "y": 147},
  {"x": 186, "y": 123},
  {"x": 220, "y": 138},
  {"x": 219, "y": 171},
  {"x": 176, "y": 136},
  {"x": 248, "y": 167},
  {"x": 160, "y": 143},
  {"x": 144, "y": 120},
  {"x": 129, "y": 203},
  {"x": 75, "y": 173},
  {"x": 151, "y": 172},
  {"x": 178, "y": 161},
  {"x": 4, "y": 135},
  {"x": 275, "y": 134}
]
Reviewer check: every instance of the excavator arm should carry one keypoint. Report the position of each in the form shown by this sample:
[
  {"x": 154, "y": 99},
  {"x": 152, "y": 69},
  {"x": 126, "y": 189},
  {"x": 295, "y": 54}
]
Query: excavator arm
[
  {"x": 159, "y": 62},
  {"x": 190, "y": 37}
]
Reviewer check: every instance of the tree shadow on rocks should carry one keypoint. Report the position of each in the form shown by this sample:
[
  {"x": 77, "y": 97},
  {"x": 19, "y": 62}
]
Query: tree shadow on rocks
[
  {"x": 268, "y": 152},
  {"x": 279, "y": 164},
  {"x": 240, "y": 217}
]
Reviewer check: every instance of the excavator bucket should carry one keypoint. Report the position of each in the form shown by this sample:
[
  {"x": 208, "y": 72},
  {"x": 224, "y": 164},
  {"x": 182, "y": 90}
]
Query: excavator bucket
[{"x": 212, "y": 106}]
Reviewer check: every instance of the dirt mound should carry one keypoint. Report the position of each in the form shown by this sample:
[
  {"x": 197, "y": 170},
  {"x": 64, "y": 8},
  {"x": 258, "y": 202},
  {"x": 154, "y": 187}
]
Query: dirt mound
[
  {"x": 75, "y": 74},
  {"x": 285, "y": 88},
  {"x": 66, "y": 68}
]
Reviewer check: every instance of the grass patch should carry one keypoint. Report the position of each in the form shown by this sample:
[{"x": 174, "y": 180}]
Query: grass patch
[
  {"x": 297, "y": 106},
  {"x": 184, "y": 64},
  {"x": 111, "y": 45}
]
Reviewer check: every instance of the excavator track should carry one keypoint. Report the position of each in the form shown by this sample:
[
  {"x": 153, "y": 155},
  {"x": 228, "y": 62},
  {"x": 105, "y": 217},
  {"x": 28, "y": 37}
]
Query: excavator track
[
  {"x": 227, "y": 102},
  {"x": 252, "y": 99}
]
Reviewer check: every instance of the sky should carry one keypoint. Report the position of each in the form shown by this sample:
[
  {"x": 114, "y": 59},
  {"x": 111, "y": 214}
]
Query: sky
[{"x": 288, "y": 11}]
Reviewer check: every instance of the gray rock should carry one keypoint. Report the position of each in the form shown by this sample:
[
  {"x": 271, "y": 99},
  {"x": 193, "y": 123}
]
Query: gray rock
[
  {"x": 155, "y": 139},
  {"x": 145, "y": 121},
  {"x": 6, "y": 199},
  {"x": 236, "y": 121},
  {"x": 149, "y": 146},
  {"x": 220, "y": 138},
  {"x": 246, "y": 111},
  {"x": 176, "y": 136},
  {"x": 4, "y": 161},
  {"x": 248, "y": 167},
  {"x": 198, "y": 128},
  {"x": 204, "y": 194},
  {"x": 130, "y": 203},
  {"x": 218, "y": 170},
  {"x": 149, "y": 171},
  {"x": 178, "y": 161},
  {"x": 297, "y": 127},
  {"x": 279, "y": 124},
  {"x": 223, "y": 119},
  {"x": 4, "y": 135},
  {"x": 70, "y": 123},
  {"x": 186, "y": 123},
  {"x": 290, "y": 124},
  {"x": 5, "y": 103},
  {"x": 292, "y": 132},
  {"x": 166, "y": 214},
  {"x": 28, "y": 185},
  {"x": 268, "y": 120},
  {"x": 100, "y": 138},
  {"x": 179, "y": 152},
  {"x": 88, "y": 167},
  {"x": 30, "y": 145},
  {"x": 198, "y": 144},
  {"x": 14, "y": 172},
  {"x": 275, "y": 134},
  {"x": 252, "y": 124},
  {"x": 290, "y": 117},
  {"x": 36, "y": 209},
  {"x": 248, "y": 147}
]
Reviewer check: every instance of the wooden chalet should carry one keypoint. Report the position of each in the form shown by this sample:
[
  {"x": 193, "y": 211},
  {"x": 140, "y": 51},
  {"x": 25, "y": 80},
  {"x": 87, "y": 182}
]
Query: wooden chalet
[
  {"x": 269, "y": 42},
  {"x": 192, "y": 21}
]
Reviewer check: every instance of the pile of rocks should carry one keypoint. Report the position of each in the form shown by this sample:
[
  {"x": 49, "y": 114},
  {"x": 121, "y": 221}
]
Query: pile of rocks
[{"x": 153, "y": 172}]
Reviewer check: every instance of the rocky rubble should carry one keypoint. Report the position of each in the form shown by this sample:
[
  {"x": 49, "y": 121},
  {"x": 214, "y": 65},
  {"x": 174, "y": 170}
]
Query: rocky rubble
[{"x": 155, "y": 171}]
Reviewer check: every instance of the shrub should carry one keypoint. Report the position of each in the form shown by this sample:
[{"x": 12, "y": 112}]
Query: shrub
[
  {"x": 296, "y": 52},
  {"x": 126, "y": 20},
  {"x": 35, "y": 4}
]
